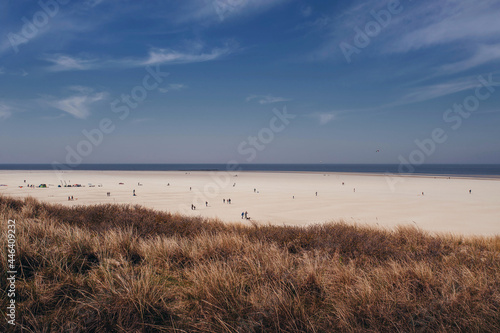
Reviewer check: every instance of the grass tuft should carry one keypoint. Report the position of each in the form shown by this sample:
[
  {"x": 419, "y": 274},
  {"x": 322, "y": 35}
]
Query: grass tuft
[{"x": 114, "y": 268}]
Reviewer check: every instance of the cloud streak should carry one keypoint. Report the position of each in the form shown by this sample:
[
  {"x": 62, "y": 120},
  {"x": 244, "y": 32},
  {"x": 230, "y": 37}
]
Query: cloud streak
[
  {"x": 325, "y": 118},
  {"x": 67, "y": 63},
  {"x": 482, "y": 55},
  {"x": 5, "y": 110},
  {"x": 223, "y": 10},
  {"x": 172, "y": 87},
  {"x": 77, "y": 105},
  {"x": 420, "y": 26},
  {"x": 169, "y": 56},
  {"x": 266, "y": 99},
  {"x": 156, "y": 56},
  {"x": 439, "y": 90},
  {"x": 449, "y": 21}
]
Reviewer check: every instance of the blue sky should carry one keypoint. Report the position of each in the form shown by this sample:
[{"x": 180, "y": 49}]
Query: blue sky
[{"x": 359, "y": 76}]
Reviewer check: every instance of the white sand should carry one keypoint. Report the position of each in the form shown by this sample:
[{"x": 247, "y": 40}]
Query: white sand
[{"x": 446, "y": 205}]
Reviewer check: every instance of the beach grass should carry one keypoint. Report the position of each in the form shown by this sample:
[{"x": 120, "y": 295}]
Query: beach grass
[{"x": 121, "y": 268}]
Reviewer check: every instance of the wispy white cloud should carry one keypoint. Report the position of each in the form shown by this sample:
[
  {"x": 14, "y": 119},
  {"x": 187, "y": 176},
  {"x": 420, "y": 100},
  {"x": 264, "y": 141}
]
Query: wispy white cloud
[
  {"x": 193, "y": 54},
  {"x": 306, "y": 11},
  {"x": 81, "y": 89},
  {"x": 204, "y": 11},
  {"x": 172, "y": 87},
  {"x": 266, "y": 99},
  {"x": 77, "y": 105},
  {"x": 92, "y": 3},
  {"x": 169, "y": 56},
  {"x": 67, "y": 63},
  {"x": 448, "y": 21},
  {"x": 325, "y": 118},
  {"x": 64, "y": 24},
  {"x": 482, "y": 55},
  {"x": 5, "y": 110},
  {"x": 438, "y": 90},
  {"x": 420, "y": 25},
  {"x": 319, "y": 23}
]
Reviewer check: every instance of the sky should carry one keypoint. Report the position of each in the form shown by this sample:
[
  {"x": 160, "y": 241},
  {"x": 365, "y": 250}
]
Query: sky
[{"x": 249, "y": 81}]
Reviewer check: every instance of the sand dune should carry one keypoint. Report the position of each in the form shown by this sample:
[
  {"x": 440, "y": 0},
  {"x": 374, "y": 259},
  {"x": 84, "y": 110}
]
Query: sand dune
[{"x": 282, "y": 198}]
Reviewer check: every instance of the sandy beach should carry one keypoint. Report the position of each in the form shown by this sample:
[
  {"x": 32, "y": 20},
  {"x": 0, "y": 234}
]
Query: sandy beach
[{"x": 281, "y": 198}]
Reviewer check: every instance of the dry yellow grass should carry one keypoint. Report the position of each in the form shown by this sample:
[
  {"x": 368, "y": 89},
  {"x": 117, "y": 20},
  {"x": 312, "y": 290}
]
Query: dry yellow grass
[{"x": 111, "y": 268}]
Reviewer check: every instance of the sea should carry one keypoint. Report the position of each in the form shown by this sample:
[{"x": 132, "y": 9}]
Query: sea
[{"x": 425, "y": 169}]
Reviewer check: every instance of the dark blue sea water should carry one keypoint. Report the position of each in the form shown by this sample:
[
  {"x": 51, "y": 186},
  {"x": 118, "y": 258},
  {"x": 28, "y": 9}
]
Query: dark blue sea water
[{"x": 432, "y": 169}]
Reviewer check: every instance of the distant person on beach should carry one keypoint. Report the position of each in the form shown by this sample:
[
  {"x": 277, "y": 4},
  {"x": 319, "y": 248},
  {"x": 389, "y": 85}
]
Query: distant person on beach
[
  {"x": 229, "y": 201},
  {"x": 354, "y": 190},
  {"x": 206, "y": 203},
  {"x": 72, "y": 198},
  {"x": 69, "y": 198},
  {"x": 470, "y": 191},
  {"x": 109, "y": 194},
  {"x": 316, "y": 193},
  {"x": 422, "y": 193},
  {"x": 242, "y": 214},
  {"x": 133, "y": 193},
  {"x": 223, "y": 200},
  {"x": 246, "y": 215},
  {"x": 254, "y": 190},
  {"x": 342, "y": 183},
  {"x": 190, "y": 188}
]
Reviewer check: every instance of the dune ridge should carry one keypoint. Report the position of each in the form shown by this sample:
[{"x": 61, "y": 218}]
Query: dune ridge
[{"x": 129, "y": 268}]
